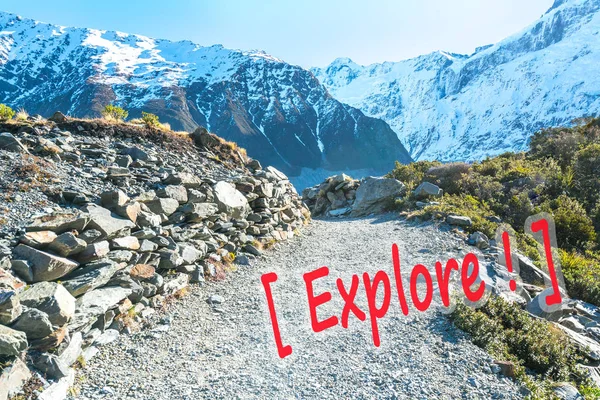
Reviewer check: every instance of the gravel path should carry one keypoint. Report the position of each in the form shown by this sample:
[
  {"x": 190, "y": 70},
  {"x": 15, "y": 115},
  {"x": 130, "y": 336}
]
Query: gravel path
[{"x": 227, "y": 351}]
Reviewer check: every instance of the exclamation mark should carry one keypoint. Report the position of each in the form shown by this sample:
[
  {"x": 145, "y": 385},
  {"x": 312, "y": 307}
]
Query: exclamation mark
[{"x": 508, "y": 258}]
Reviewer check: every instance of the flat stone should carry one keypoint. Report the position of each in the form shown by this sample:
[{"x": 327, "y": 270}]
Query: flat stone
[
  {"x": 90, "y": 276},
  {"x": 51, "y": 341},
  {"x": 44, "y": 266},
  {"x": 38, "y": 239},
  {"x": 125, "y": 243},
  {"x": 109, "y": 224},
  {"x": 95, "y": 303},
  {"x": 183, "y": 178},
  {"x": 131, "y": 211},
  {"x": 51, "y": 298},
  {"x": 60, "y": 222}
]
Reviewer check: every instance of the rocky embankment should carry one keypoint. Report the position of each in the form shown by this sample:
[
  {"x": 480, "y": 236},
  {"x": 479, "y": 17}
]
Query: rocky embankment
[{"x": 101, "y": 224}]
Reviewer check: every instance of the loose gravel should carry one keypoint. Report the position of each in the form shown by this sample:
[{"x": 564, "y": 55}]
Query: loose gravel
[{"x": 224, "y": 348}]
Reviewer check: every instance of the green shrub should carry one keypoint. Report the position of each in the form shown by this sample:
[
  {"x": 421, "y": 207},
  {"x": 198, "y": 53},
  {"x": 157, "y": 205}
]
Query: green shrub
[
  {"x": 448, "y": 176},
  {"x": 6, "y": 112},
  {"x": 150, "y": 119},
  {"x": 587, "y": 174},
  {"x": 114, "y": 113},
  {"x": 582, "y": 276},
  {"x": 509, "y": 333},
  {"x": 574, "y": 229},
  {"x": 412, "y": 174}
]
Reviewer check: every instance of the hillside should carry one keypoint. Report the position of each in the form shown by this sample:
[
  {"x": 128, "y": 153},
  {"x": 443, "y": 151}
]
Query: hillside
[{"x": 456, "y": 107}]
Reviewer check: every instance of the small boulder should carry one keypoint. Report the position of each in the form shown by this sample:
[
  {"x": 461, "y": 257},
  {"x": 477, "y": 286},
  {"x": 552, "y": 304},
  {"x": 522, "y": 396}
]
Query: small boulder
[
  {"x": 375, "y": 195},
  {"x": 67, "y": 244},
  {"x": 10, "y": 143},
  {"x": 459, "y": 220},
  {"x": 427, "y": 189}
]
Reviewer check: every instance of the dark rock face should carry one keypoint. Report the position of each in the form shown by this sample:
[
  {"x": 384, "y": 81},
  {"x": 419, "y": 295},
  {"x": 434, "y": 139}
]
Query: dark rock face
[{"x": 280, "y": 113}]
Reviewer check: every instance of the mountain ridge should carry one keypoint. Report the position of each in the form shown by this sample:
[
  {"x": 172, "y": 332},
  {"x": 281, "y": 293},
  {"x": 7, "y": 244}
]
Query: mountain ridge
[
  {"x": 279, "y": 112},
  {"x": 451, "y": 107}
]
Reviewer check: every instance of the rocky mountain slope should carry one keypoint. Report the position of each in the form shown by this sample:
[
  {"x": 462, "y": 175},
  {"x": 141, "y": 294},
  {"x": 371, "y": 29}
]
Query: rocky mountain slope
[
  {"x": 463, "y": 107},
  {"x": 279, "y": 112},
  {"x": 101, "y": 224}
]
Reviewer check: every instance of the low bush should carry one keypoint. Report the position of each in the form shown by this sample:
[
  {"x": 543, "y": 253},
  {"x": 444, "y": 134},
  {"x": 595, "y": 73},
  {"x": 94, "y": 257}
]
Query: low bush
[
  {"x": 150, "y": 119},
  {"x": 114, "y": 113},
  {"x": 510, "y": 334},
  {"x": 6, "y": 113}
]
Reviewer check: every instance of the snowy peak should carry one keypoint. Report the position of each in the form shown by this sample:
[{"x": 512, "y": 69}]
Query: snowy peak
[{"x": 456, "y": 107}]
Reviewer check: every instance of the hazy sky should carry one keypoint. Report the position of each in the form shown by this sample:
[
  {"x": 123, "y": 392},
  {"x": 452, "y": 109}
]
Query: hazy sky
[{"x": 304, "y": 32}]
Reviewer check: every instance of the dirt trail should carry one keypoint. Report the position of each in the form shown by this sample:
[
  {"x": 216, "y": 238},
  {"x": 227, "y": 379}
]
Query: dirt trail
[{"x": 227, "y": 350}]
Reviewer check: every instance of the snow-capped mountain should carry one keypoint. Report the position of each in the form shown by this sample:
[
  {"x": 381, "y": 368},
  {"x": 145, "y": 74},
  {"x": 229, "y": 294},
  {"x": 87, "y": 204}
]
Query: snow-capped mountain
[
  {"x": 279, "y": 112},
  {"x": 457, "y": 107}
]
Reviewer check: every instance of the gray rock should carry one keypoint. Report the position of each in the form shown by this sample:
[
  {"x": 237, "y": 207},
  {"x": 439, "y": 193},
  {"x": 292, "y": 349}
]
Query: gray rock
[
  {"x": 10, "y": 307},
  {"x": 110, "y": 225},
  {"x": 147, "y": 246},
  {"x": 479, "y": 240},
  {"x": 91, "y": 276},
  {"x": 538, "y": 307},
  {"x": 163, "y": 206},
  {"x": 566, "y": 391},
  {"x": 376, "y": 195},
  {"x": 197, "y": 212},
  {"x": 51, "y": 366},
  {"x": 69, "y": 354},
  {"x": 427, "y": 189},
  {"x": 12, "y": 379},
  {"x": 10, "y": 143},
  {"x": 38, "y": 239},
  {"x": 113, "y": 198},
  {"x": 67, "y": 244},
  {"x": 230, "y": 200},
  {"x": 12, "y": 342},
  {"x": 35, "y": 323},
  {"x": 176, "y": 192},
  {"x": 94, "y": 251},
  {"x": 95, "y": 303},
  {"x": 51, "y": 298},
  {"x": 459, "y": 220},
  {"x": 44, "y": 266},
  {"x": 60, "y": 222}
]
